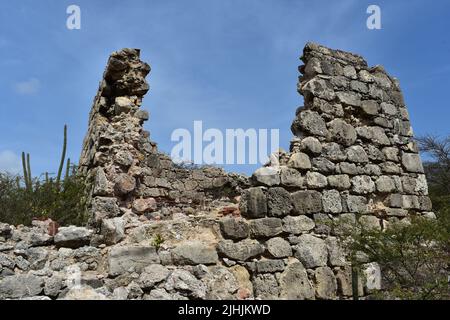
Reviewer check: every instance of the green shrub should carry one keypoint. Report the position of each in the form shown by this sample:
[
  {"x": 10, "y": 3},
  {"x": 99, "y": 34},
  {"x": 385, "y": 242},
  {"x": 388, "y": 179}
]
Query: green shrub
[
  {"x": 63, "y": 202},
  {"x": 413, "y": 258},
  {"x": 23, "y": 198}
]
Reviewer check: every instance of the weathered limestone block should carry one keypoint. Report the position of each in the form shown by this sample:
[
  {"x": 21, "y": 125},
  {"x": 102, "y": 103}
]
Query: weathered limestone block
[
  {"x": 73, "y": 237},
  {"x": 265, "y": 227},
  {"x": 326, "y": 285},
  {"x": 253, "y": 203},
  {"x": 236, "y": 229},
  {"x": 294, "y": 283},
  {"x": 331, "y": 201},
  {"x": 342, "y": 132},
  {"x": 298, "y": 224},
  {"x": 299, "y": 160},
  {"x": 279, "y": 248},
  {"x": 306, "y": 202},
  {"x": 311, "y": 251},
  {"x": 193, "y": 253},
  {"x": 241, "y": 251},
  {"x": 279, "y": 202},
  {"x": 131, "y": 259}
]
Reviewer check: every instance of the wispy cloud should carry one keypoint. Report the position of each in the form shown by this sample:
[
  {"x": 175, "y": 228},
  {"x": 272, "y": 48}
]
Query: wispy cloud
[
  {"x": 9, "y": 162},
  {"x": 28, "y": 87}
]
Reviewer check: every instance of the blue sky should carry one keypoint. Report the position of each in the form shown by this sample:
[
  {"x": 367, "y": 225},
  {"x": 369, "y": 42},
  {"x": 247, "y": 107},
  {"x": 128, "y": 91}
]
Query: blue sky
[{"x": 230, "y": 63}]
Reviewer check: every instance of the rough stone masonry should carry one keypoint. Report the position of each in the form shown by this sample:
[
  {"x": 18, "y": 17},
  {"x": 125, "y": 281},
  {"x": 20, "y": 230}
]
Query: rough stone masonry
[{"x": 162, "y": 231}]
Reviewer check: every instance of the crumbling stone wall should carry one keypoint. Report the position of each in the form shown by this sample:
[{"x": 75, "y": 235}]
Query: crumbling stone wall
[
  {"x": 158, "y": 231},
  {"x": 353, "y": 160},
  {"x": 123, "y": 168}
]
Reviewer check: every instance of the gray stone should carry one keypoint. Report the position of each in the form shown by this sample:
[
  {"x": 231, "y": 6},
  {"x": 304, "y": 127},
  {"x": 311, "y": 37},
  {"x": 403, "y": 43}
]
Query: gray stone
[
  {"x": 323, "y": 165},
  {"x": 371, "y": 170},
  {"x": 124, "y": 158},
  {"x": 279, "y": 248},
  {"x": 388, "y": 109},
  {"x": 20, "y": 286},
  {"x": 370, "y": 107},
  {"x": 372, "y": 275},
  {"x": 326, "y": 285},
  {"x": 306, "y": 202},
  {"x": 309, "y": 121},
  {"x": 299, "y": 160},
  {"x": 265, "y": 227},
  {"x": 385, "y": 184},
  {"x": 336, "y": 254},
  {"x": 298, "y": 224},
  {"x": 6, "y": 261},
  {"x": 279, "y": 202},
  {"x": 124, "y": 184},
  {"x": 291, "y": 177},
  {"x": 130, "y": 259},
  {"x": 370, "y": 222},
  {"x": 412, "y": 163},
  {"x": 320, "y": 88},
  {"x": 340, "y": 182},
  {"x": 5, "y": 230},
  {"x": 342, "y": 132},
  {"x": 311, "y": 251},
  {"x": 158, "y": 294},
  {"x": 184, "y": 281},
  {"x": 349, "y": 168},
  {"x": 294, "y": 283},
  {"x": 221, "y": 284},
  {"x": 269, "y": 266},
  {"x": 253, "y": 203},
  {"x": 334, "y": 152},
  {"x": 349, "y": 98},
  {"x": 316, "y": 180},
  {"x": 73, "y": 237},
  {"x": 53, "y": 285},
  {"x": 362, "y": 184},
  {"x": 269, "y": 176},
  {"x": 152, "y": 275},
  {"x": 350, "y": 72},
  {"x": 391, "y": 153},
  {"x": 311, "y": 145},
  {"x": 266, "y": 286},
  {"x": 233, "y": 228},
  {"x": 357, "y": 154},
  {"x": 193, "y": 253},
  {"x": 113, "y": 230},
  {"x": 331, "y": 201},
  {"x": 241, "y": 251},
  {"x": 103, "y": 207}
]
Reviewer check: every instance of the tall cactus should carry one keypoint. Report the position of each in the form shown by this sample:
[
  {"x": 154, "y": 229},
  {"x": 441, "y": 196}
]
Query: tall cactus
[
  {"x": 63, "y": 156},
  {"x": 66, "y": 176},
  {"x": 26, "y": 171}
]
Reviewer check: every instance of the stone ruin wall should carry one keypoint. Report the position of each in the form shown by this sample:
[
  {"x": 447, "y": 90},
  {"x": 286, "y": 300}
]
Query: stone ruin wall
[
  {"x": 160, "y": 231},
  {"x": 125, "y": 171}
]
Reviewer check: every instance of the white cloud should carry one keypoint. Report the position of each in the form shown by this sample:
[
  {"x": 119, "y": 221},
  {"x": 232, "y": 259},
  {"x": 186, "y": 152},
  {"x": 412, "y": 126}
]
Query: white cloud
[
  {"x": 9, "y": 162},
  {"x": 30, "y": 86}
]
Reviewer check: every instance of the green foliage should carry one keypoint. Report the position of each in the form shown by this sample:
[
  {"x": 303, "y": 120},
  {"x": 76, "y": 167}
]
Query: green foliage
[
  {"x": 413, "y": 257},
  {"x": 158, "y": 240},
  {"x": 23, "y": 198},
  {"x": 63, "y": 203}
]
